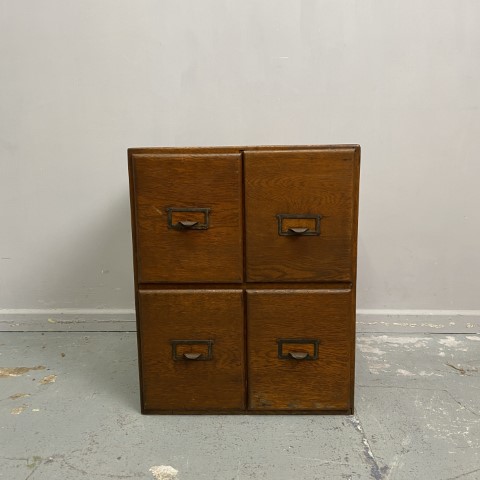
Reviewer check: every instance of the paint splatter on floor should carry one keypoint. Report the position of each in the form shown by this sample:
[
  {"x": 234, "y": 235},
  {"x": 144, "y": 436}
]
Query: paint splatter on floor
[
  {"x": 18, "y": 410},
  {"x": 48, "y": 379},
  {"x": 163, "y": 472},
  {"x": 18, "y": 371}
]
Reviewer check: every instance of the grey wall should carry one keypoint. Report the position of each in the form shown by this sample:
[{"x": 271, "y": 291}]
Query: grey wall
[{"x": 82, "y": 81}]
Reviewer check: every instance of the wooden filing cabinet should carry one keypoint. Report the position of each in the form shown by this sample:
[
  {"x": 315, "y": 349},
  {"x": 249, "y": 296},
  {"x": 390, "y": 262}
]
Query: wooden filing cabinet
[{"x": 245, "y": 277}]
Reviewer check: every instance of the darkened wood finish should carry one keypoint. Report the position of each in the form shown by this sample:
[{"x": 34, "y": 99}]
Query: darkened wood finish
[
  {"x": 252, "y": 285},
  {"x": 133, "y": 215},
  {"x": 212, "y": 181},
  {"x": 207, "y": 299},
  {"x": 317, "y": 182},
  {"x": 201, "y": 385},
  {"x": 355, "y": 195},
  {"x": 289, "y": 384},
  {"x": 233, "y": 149}
]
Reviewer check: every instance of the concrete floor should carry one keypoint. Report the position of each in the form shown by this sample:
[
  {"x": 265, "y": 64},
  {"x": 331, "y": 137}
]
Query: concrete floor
[{"x": 417, "y": 417}]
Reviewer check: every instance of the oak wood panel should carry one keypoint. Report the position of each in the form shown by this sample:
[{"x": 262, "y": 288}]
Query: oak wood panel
[
  {"x": 316, "y": 182},
  {"x": 251, "y": 285},
  {"x": 232, "y": 149},
  {"x": 216, "y": 384},
  {"x": 288, "y": 384},
  {"x": 355, "y": 195},
  {"x": 151, "y": 374},
  {"x": 135, "y": 270},
  {"x": 211, "y": 181}
]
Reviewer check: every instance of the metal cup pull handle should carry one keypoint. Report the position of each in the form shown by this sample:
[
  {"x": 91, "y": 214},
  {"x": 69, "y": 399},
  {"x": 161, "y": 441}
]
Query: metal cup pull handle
[
  {"x": 182, "y": 350},
  {"x": 298, "y": 355},
  {"x": 293, "y": 224},
  {"x": 298, "y": 230},
  {"x": 298, "y": 348},
  {"x": 195, "y": 218},
  {"x": 192, "y": 356},
  {"x": 185, "y": 224}
]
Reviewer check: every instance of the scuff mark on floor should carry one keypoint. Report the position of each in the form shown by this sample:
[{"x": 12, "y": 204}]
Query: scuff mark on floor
[
  {"x": 369, "y": 349},
  {"x": 448, "y": 424},
  {"x": 377, "y": 368},
  {"x": 423, "y": 373},
  {"x": 18, "y": 371},
  {"x": 462, "y": 370},
  {"x": 48, "y": 379},
  {"x": 407, "y": 343},
  {"x": 36, "y": 460},
  {"x": 450, "y": 341},
  {"x": 16, "y": 396},
  {"x": 163, "y": 472},
  {"x": 34, "y": 464}
]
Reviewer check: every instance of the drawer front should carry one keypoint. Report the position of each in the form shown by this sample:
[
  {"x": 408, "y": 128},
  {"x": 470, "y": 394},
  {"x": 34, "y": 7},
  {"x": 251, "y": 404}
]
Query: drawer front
[
  {"x": 188, "y": 211},
  {"x": 301, "y": 211},
  {"x": 300, "y": 349},
  {"x": 192, "y": 350}
]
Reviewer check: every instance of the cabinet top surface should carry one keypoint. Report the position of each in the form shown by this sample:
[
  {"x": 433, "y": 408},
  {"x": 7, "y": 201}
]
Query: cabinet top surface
[{"x": 235, "y": 149}]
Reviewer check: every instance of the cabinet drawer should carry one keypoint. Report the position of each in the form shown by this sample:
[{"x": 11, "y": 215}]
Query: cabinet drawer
[
  {"x": 188, "y": 211},
  {"x": 192, "y": 350},
  {"x": 300, "y": 349},
  {"x": 301, "y": 214}
]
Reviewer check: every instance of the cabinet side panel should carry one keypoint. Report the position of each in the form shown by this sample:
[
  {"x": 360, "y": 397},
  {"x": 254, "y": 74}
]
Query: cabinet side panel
[
  {"x": 355, "y": 196},
  {"x": 135, "y": 272}
]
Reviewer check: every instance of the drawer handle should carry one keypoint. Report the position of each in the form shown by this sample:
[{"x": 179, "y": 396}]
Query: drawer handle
[
  {"x": 192, "y": 356},
  {"x": 179, "y": 347},
  {"x": 294, "y": 344},
  {"x": 202, "y": 214},
  {"x": 298, "y": 355},
  {"x": 185, "y": 224},
  {"x": 298, "y": 231},
  {"x": 309, "y": 219}
]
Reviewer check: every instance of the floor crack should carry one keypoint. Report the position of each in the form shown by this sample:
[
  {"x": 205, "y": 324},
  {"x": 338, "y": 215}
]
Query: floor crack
[
  {"x": 464, "y": 474},
  {"x": 473, "y": 412},
  {"x": 376, "y": 472},
  {"x": 460, "y": 403},
  {"x": 33, "y": 471}
]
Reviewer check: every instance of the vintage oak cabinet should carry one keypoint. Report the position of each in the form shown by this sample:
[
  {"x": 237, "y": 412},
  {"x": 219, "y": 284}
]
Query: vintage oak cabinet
[{"x": 245, "y": 271}]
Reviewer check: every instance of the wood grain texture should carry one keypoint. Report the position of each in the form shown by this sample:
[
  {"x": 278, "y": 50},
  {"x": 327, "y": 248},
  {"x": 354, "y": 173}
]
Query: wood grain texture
[
  {"x": 251, "y": 285},
  {"x": 299, "y": 182},
  {"x": 133, "y": 217},
  {"x": 355, "y": 196},
  {"x": 232, "y": 149},
  {"x": 323, "y": 384},
  {"x": 211, "y": 181},
  {"x": 217, "y": 384}
]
